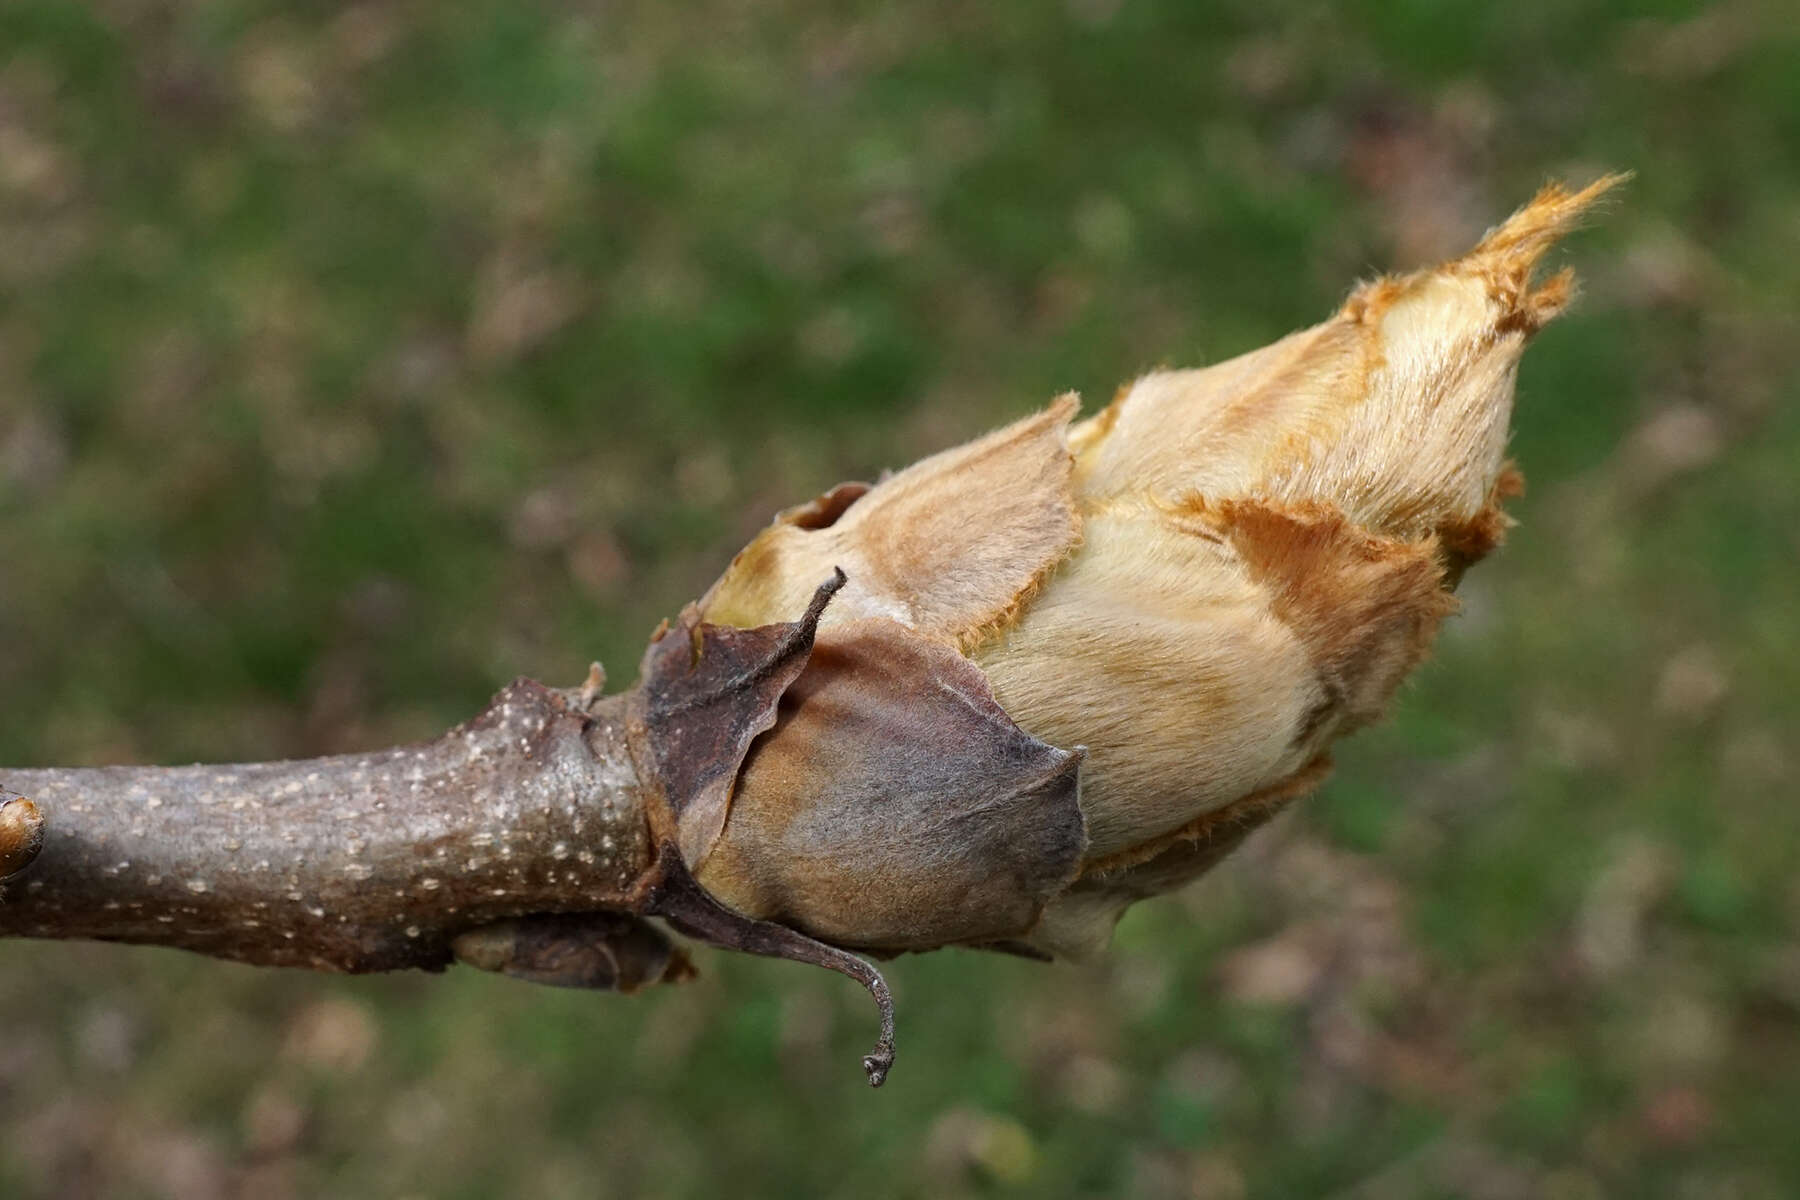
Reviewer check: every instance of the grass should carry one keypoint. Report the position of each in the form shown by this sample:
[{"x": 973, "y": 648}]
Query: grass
[{"x": 355, "y": 360}]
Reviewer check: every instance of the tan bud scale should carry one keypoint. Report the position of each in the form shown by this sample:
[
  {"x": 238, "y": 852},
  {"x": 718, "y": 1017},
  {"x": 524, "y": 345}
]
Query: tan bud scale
[{"x": 1201, "y": 587}]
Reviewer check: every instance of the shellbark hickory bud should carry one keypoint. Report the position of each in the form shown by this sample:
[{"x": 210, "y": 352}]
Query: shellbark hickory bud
[{"x": 1074, "y": 663}]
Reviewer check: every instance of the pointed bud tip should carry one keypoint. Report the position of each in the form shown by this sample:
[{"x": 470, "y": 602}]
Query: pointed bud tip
[
  {"x": 1467, "y": 302},
  {"x": 1506, "y": 257}
]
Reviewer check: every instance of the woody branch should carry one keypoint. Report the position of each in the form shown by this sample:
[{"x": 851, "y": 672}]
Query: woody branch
[{"x": 362, "y": 862}]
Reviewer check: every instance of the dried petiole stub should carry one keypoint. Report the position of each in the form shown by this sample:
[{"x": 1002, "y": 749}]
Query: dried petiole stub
[{"x": 990, "y": 701}]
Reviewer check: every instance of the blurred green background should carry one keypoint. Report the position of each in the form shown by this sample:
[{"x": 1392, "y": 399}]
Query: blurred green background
[{"x": 354, "y": 360}]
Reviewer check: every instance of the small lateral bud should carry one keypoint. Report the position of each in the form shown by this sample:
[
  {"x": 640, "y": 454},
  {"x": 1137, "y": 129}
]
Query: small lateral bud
[
  {"x": 21, "y": 833},
  {"x": 603, "y": 950}
]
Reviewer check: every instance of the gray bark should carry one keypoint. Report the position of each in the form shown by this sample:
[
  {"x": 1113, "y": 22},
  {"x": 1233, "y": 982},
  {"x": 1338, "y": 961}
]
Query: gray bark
[{"x": 361, "y": 862}]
